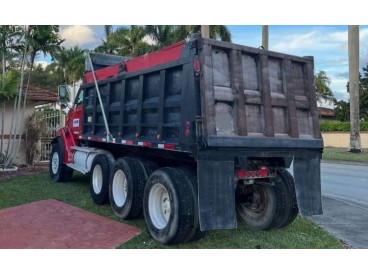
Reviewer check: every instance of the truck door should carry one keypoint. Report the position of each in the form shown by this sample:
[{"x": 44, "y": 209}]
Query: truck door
[{"x": 75, "y": 116}]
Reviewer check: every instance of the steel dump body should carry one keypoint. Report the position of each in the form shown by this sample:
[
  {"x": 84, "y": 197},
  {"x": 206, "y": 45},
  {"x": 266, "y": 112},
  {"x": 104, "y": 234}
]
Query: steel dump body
[{"x": 243, "y": 103}]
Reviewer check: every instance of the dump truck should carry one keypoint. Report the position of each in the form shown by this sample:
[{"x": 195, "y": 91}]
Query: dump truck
[{"x": 195, "y": 137}]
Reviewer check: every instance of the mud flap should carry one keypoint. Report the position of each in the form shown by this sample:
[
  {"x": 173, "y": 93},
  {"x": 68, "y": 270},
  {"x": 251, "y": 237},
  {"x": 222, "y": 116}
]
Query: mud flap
[
  {"x": 216, "y": 194},
  {"x": 307, "y": 176}
]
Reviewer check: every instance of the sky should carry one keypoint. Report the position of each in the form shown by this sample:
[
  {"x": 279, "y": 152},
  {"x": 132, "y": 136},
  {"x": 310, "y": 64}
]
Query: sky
[{"x": 327, "y": 43}]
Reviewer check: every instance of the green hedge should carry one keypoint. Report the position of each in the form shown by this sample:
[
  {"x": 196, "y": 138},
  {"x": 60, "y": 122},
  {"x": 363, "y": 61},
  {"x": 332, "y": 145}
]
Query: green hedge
[{"x": 341, "y": 126}]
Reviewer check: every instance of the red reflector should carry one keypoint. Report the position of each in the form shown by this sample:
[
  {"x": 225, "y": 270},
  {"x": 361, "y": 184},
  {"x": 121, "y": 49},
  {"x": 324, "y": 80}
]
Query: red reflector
[
  {"x": 240, "y": 173},
  {"x": 263, "y": 171},
  {"x": 253, "y": 174},
  {"x": 196, "y": 64},
  {"x": 129, "y": 142},
  {"x": 145, "y": 144},
  {"x": 169, "y": 146}
]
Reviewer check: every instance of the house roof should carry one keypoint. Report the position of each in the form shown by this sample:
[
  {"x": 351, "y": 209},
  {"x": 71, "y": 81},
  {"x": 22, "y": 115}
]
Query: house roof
[
  {"x": 326, "y": 112},
  {"x": 40, "y": 95}
]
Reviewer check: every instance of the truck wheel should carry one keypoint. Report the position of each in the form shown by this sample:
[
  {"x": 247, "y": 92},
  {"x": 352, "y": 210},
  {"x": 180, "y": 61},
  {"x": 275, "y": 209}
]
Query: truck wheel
[
  {"x": 99, "y": 179},
  {"x": 196, "y": 232},
  {"x": 169, "y": 206},
  {"x": 261, "y": 206},
  {"x": 291, "y": 205},
  {"x": 127, "y": 181},
  {"x": 59, "y": 172}
]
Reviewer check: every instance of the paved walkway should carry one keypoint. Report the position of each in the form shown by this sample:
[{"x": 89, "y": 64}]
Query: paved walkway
[
  {"x": 346, "y": 221},
  {"x": 52, "y": 224}
]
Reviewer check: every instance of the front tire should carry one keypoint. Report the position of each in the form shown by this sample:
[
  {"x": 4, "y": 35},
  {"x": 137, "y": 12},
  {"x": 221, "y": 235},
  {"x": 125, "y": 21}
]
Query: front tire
[
  {"x": 169, "y": 206},
  {"x": 59, "y": 172},
  {"x": 99, "y": 179}
]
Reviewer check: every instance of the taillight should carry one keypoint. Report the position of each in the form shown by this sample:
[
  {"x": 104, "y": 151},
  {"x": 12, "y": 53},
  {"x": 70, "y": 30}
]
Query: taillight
[
  {"x": 196, "y": 65},
  {"x": 240, "y": 173},
  {"x": 250, "y": 174},
  {"x": 263, "y": 171}
]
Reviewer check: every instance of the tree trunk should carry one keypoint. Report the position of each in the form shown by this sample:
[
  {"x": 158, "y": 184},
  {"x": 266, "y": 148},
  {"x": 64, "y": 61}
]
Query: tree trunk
[
  {"x": 353, "y": 45},
  {"x": 265, "y": 37},
  {"x": 3, "y": 114},
  {"x": 205, "y": 30},
  {"x": 17, "y": 109}
]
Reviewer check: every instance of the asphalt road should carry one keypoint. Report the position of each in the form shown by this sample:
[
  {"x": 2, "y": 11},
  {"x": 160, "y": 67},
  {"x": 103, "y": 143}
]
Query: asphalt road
[
  {"x": 345, "y": 203},
  {"x": 345, "y": 182}
]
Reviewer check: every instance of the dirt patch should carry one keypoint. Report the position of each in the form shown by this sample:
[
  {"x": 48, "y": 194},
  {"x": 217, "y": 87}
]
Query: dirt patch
[{"x": 23, "y": 170}]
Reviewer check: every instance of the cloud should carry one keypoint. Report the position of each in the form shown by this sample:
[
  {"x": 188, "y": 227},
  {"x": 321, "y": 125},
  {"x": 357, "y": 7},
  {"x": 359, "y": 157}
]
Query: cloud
[
  {"x": 44, "y": 64},
  {"x": 86, "y": 37}
]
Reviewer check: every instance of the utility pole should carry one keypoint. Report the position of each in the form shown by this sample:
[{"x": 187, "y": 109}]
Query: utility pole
[
  {"x": 353, "y": 47},
  {"x": 205, "y": 31},
  {"x": 265, "y": 37}
]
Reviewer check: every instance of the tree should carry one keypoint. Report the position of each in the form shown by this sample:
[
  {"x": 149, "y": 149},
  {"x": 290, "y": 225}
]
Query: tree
[
  {"x": 342, "y": 110},
  {"x": 163, "y": 35},
  {"x": 218, "y": 32},
  {"x": 129, "y": 41},
  {"x": 47, "y": 78},
  {"x": 324, "y": 92},
  {"x": 71, "y": 64},
  {"x": 8, "y": 87},
  {"x": 106, "y": 47}
]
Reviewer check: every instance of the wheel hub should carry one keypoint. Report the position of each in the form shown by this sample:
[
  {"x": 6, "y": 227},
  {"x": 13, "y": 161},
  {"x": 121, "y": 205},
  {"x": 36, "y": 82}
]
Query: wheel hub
[
  {"x": 97, "y": 179},
  {"x": 55, "y": 162},
  {"x": 159, "y": 206},
  {"x": 119, "y": 188}
]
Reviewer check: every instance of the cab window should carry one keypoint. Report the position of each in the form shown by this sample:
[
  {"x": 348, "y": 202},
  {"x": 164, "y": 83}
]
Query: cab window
[{"x": 79, "y": 98}]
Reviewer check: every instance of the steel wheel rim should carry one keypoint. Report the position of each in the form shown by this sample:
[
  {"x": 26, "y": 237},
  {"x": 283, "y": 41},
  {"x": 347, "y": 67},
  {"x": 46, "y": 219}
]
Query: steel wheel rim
[
  {"x": 260, "y": 207},
  {"x": 55, "y": 162},
  {"x": 159, "y": 206},
  {"x": 119, "y": 188},
  {"x": 97, "y": 179}
]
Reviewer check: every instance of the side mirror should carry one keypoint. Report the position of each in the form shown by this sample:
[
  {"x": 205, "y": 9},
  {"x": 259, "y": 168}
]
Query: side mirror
[{"x": 63, "y": 92}]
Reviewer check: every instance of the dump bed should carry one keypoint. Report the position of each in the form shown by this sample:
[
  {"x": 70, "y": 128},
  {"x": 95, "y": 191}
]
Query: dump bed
[
  {"x": 257, "y": 98},
  {"x": 238, "y": 97}
]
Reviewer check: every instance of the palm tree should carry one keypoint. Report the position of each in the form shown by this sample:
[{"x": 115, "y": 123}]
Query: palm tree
[
  {"x": 324, "y": 92},
  {"x": 218, "y": 32},
  {"x": 106, "y": 47},
  {"x": 129, "y": 41},
  {"x": 163, "y": 35},
  {"x": 8, "y": 87},
  {"x": 71, "y": 64},
  {"x": 45, "y": 39}
]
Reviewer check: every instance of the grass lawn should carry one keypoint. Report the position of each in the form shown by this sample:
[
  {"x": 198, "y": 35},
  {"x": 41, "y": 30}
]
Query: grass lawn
[
  {"x": 342, "y": 154},
  {"x": 300, "y": 234}
]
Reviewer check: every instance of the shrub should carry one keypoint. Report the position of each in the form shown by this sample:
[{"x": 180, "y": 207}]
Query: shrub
[{"x": 340, "y": 126}]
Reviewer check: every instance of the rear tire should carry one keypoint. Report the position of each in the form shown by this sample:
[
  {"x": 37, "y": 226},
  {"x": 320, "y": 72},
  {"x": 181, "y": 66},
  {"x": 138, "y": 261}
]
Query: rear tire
[
  {"x": 99, "y": 179},
  {"x": 169, "y": 206},
  {"x": 59, "y": 171},
  {"x": 196, "y": 232},
  {"x": 128, "y": 178},
  {"x": 261, "y": 206},
  {"x": 291, "y": 205}
]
